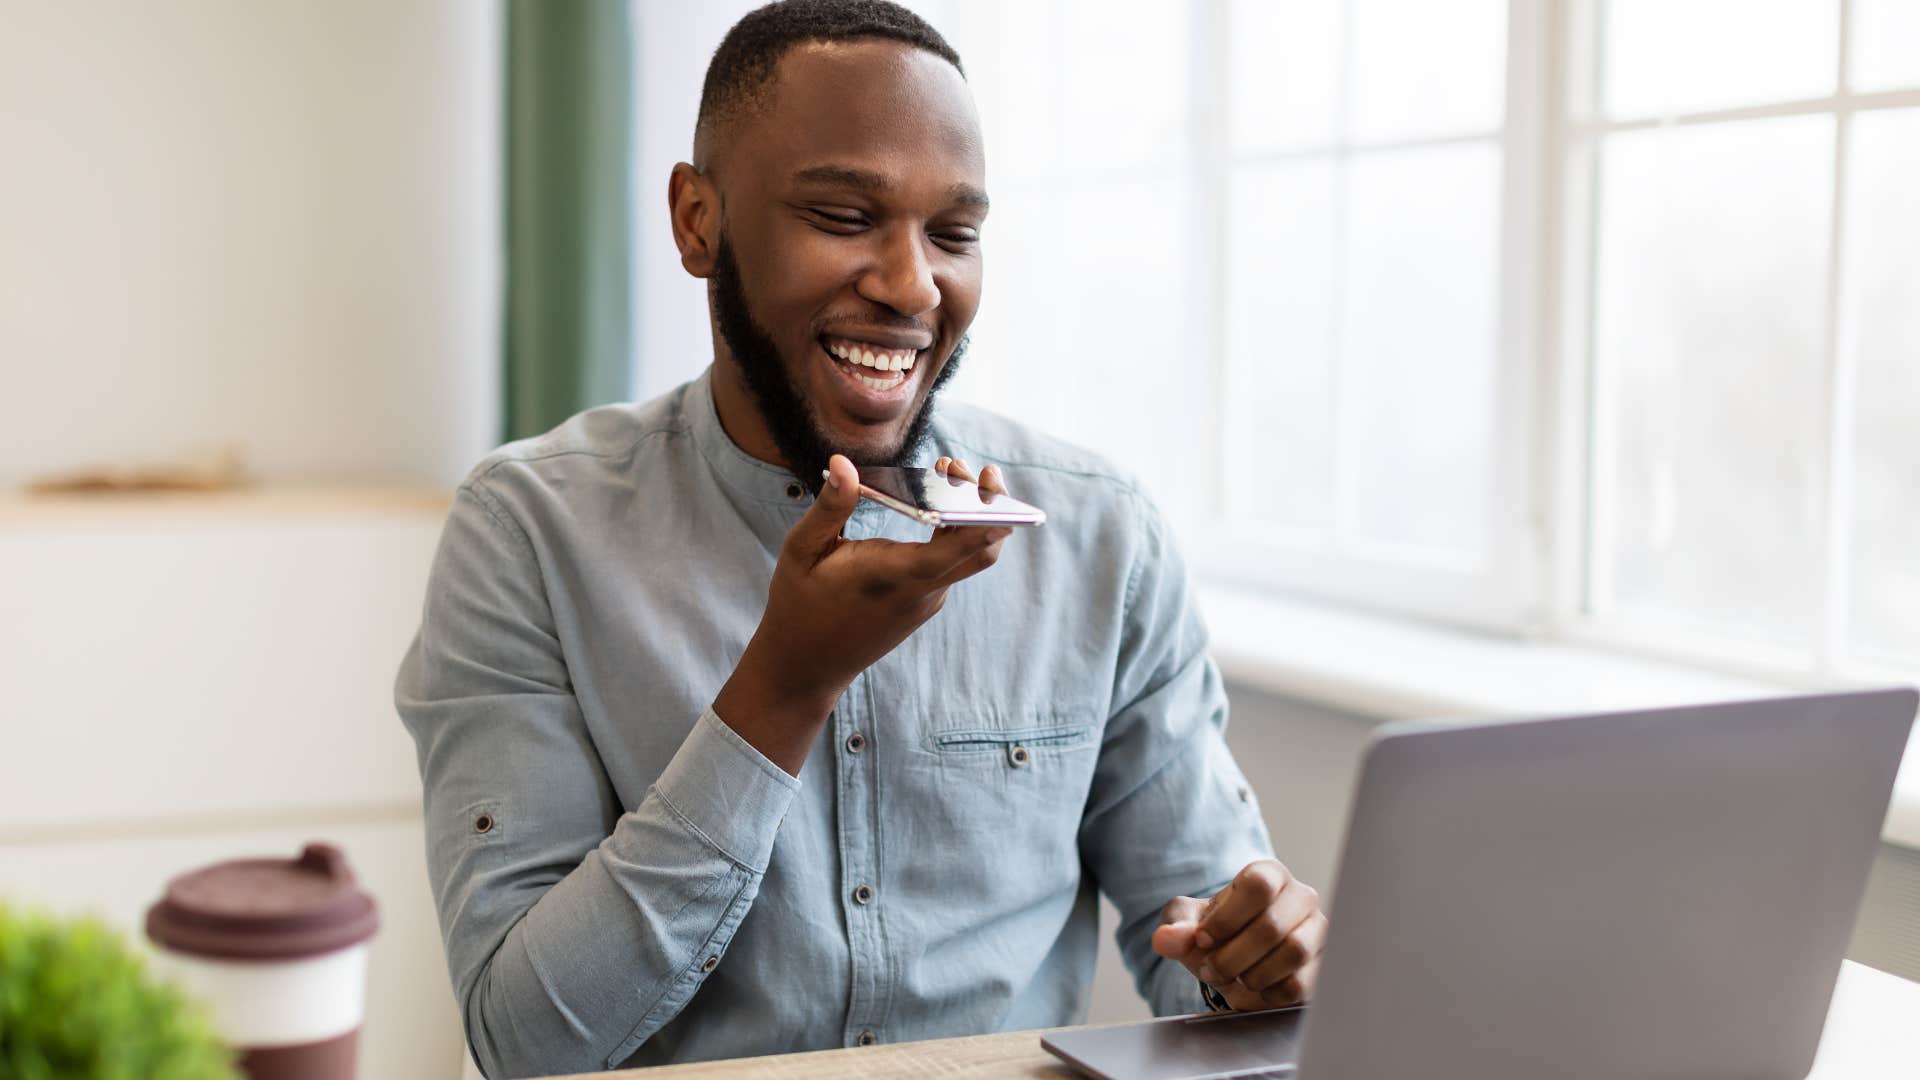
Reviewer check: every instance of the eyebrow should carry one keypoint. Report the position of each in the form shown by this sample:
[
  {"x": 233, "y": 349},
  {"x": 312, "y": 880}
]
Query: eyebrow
[{"x": 873, "y": 183}]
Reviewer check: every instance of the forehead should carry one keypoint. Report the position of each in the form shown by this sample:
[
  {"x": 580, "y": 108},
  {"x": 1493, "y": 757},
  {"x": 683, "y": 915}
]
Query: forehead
[{"x": 880, "y": 105}]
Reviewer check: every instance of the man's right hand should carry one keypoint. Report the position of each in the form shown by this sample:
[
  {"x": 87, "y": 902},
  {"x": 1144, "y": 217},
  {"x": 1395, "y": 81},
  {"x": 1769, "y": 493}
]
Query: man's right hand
[{"x": 835, "y": 607}]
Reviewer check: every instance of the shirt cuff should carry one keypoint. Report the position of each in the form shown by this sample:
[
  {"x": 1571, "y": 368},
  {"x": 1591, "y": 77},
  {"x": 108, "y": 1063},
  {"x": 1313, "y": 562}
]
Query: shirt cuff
[{"x": 728, "y": 791}]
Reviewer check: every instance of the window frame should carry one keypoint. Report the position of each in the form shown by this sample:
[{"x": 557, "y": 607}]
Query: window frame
[{"x": 1510, "y": 592}]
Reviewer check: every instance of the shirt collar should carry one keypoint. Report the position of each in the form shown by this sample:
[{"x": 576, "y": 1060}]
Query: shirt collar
[
  {"x": 749, "y": 477},
  {"x": 738, "y": 470}
]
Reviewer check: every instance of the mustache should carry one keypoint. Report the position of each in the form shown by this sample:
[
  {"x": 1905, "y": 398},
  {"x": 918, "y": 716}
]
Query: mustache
[{"x": 880, "y": 321}]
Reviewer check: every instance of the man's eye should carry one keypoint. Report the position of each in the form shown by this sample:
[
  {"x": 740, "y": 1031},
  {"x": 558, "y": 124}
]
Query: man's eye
[
  {"x": 961, "y": 238},
  {"x": 838, "y": 220}
]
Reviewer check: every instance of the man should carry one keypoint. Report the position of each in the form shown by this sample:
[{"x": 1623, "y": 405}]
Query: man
[{"x": 720, "y": 760}]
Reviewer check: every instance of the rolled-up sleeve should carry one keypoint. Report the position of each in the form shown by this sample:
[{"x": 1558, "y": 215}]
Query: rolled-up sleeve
[
  {"x": 1170, "y": 813},
  {"x": 575, "y": 927}
]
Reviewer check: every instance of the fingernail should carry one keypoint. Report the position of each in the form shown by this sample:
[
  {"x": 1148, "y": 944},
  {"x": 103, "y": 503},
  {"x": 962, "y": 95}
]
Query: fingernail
[
  {"x": 1203, "y": 939},
  {"x": 1207, "y": 974}
]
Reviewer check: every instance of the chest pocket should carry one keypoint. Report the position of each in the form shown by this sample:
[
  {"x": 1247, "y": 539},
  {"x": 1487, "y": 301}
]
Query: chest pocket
[
  {"x": 1018, "y": 745},
  {"x": 990, "y": 804},
  {"x": 1026, "y": 759}
]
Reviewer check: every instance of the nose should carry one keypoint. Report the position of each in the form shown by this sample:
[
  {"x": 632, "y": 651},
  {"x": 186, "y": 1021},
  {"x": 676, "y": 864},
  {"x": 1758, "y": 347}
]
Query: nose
[{"x": 902, "y": 277}]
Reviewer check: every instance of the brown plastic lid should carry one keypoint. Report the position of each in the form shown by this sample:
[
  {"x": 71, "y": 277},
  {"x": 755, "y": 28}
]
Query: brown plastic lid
[{"x": 265, "y": 909}]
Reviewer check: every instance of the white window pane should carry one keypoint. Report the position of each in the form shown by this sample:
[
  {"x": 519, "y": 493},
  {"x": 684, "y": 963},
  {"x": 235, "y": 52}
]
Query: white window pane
[
  {"x": 1885, "y": 44},
  {"x": 1424, "y": 68},
  {"x": 1284, "y": 74},
  {"x": 1280, "y": 343},
  {"x": 1669, "y": 56},
  {"x": 1882, "y": 308},
  {"x": 1710, "y": 338},
  {"x": 1124, "y": 82},
  {"x": 1418, "y": 321},
  {"x": 1122, "y": 288}
]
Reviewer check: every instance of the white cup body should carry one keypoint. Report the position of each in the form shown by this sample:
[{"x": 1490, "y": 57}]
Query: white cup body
[{"x": 267, "y": 1003}]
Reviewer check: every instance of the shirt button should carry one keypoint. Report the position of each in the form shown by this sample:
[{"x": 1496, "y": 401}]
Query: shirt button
[
  {"x": 868, "y": 1038},
  {"x": 710, "y": 963},
  {"x": 1018, "y": 756},
  {"x": 856, "y": 742},
  {"x": 1245, "y": 795},
  {"x": 794, "y": 490},
  {"x": 863, "y": 895}
]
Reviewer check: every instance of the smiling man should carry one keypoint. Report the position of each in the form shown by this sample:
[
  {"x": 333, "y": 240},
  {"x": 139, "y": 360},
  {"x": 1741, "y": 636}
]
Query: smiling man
[{"x": 719, "y": 760}]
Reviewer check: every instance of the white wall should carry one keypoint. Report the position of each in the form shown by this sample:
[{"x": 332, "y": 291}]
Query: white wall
[
  {"x": 264, "y": 222},
  {"x": 189, "y": 680}
]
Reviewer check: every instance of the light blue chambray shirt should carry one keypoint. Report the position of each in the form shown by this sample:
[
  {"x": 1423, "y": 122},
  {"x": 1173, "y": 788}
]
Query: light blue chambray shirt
[{"x": 622, "y": 880}]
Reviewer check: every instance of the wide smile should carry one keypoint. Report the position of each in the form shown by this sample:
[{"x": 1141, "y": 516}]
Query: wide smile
[{"x": 877, "y": 378}]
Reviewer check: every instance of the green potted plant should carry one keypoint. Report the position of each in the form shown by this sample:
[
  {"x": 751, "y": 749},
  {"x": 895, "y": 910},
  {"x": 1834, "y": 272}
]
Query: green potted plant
[{"x": 77, "y": 1002}]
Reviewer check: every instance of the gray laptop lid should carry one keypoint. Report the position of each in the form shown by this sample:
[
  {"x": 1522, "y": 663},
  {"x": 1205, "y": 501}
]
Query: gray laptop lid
[{"x": 1652, "y": 894}]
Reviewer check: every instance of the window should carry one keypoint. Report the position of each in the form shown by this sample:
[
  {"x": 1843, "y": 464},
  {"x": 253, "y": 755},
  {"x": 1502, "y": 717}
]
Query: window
[
  {"x": 1591, "y": 317},
  {"x": 1255, "y": 252},
  {"x": 1747, "y": 325}
]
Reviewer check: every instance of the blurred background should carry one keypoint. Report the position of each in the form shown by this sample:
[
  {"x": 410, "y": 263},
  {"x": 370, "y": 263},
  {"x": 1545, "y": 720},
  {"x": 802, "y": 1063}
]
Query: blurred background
[{"x": 1491, "y": 357}]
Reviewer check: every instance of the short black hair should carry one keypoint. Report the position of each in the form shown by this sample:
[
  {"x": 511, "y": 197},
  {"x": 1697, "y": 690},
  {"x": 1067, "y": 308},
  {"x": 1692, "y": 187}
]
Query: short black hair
[{"x": 744, "y": 63}]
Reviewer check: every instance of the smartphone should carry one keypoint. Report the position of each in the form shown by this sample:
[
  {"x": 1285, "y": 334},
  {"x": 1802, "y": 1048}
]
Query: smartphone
[{"x": 931, "y": 498}]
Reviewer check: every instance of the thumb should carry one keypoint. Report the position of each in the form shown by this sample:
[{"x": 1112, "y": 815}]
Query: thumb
[
  {"x": 1179, "y": 920},
  {"x": 828, "y": 515}
]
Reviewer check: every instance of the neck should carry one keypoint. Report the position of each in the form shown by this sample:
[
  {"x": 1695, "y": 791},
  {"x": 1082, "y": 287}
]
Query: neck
[{"x": 739, "y": 416}]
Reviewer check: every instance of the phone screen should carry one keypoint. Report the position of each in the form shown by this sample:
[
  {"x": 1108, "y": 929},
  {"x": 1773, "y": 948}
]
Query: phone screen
[{"x": 933, "y": 499}]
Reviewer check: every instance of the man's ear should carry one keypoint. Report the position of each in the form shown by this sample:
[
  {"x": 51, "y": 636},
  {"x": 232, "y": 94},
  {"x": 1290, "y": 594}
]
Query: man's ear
[{"x": 693, "y": 208}]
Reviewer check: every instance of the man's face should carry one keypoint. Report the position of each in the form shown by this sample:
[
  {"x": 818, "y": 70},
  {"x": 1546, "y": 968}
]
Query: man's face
[{"x": 852, "y": 208}]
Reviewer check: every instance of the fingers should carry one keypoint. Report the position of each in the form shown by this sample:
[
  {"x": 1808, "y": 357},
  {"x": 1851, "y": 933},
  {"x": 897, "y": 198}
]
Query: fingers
[
  {"x": 979, "y": 560},
  {"x": 1295, "y": 988},
  {"x": 1294, "y": 953},
  {"x": 948, "y": 550},
  {"x": 1268, "y": 933},
  {"x": 992, "y": 480},
  {"x": 1250, "y": 892},
  {"x": 819, "y": 530},
  {"x": 1283, "y": 975}
]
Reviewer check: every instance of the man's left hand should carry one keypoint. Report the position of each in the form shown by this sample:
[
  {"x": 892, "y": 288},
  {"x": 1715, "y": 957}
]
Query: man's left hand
[{"x": 1257, "y": 941}]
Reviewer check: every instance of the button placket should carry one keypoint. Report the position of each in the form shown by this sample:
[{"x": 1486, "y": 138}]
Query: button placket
[{"x": 869, "y": 992}]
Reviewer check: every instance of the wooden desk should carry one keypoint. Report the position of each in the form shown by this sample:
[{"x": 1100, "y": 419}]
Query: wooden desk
[{"x": 1873, "y": 1033}]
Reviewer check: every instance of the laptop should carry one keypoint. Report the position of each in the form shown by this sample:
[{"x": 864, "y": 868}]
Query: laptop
[{"x": 1665, "y": 892}]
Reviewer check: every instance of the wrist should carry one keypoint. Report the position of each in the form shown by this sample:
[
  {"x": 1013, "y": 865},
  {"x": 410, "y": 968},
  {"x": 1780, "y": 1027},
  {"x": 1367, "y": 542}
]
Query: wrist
[
  {"x": 777, "y": 685},
  {"x": 779, "y": 721}
]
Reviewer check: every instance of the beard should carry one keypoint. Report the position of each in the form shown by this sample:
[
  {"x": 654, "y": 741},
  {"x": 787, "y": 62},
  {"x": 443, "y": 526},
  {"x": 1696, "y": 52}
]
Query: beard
[{"x": 795, "y": 427}]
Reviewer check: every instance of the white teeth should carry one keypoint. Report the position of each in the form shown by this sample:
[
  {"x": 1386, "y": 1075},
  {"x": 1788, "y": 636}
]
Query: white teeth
[
  {"x": 878, "y": 384},
  {"x": 884, "y": 360}
]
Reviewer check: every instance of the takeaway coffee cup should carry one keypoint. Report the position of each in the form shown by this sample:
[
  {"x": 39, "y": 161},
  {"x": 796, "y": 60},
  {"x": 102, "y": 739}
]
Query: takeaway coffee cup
[{"x": 278, "y": 950}]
